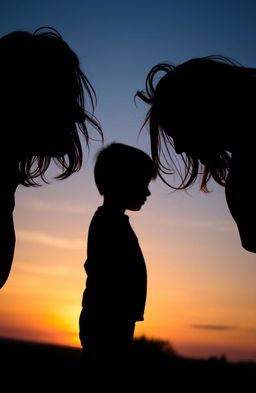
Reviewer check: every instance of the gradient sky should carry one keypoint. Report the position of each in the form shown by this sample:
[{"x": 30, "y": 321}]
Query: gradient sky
[{"x": 201, "y": 283}]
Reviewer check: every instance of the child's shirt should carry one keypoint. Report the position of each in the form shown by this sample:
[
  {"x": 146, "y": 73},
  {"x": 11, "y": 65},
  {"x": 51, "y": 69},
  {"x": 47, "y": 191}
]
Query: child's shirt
[{"x": 116, "y": 282}]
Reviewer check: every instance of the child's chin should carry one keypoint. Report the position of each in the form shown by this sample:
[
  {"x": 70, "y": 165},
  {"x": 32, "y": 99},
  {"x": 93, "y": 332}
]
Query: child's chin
[{"x": 135, "y": 208}]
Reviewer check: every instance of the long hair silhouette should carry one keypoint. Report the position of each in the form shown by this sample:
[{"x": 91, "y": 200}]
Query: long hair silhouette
[
  {"x": 44, "y": 100},
  {"x": 192, "y": 107},
  {"x": 43, "y": 96}
]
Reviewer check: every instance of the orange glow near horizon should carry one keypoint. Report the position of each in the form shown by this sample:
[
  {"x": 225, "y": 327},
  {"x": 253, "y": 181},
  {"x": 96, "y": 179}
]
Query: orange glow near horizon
[{"x": 49, "y": 306}]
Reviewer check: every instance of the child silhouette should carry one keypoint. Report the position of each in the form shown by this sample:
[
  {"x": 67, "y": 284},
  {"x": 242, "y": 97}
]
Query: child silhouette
[
  {"x": 115, "y": 294},
  {"x": 42, "y": 111},
  {"x": 203, "y": 110}
]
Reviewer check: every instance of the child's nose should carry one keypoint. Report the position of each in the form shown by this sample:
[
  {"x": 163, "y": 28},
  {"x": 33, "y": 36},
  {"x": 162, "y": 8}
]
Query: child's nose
[{"x": 148, "y": 193}]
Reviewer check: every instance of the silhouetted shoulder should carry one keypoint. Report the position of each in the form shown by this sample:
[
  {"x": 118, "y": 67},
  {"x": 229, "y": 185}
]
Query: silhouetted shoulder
[{"x": 107, "y": 233}]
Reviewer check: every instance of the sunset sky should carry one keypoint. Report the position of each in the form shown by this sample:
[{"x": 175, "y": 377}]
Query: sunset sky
[{"x": 201, "y": 283}]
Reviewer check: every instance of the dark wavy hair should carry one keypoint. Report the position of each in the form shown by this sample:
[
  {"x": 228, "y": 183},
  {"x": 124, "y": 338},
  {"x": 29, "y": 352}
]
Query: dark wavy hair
[
  {"x": 205, "y": 78},
  {"x": 38, "y": 60}
]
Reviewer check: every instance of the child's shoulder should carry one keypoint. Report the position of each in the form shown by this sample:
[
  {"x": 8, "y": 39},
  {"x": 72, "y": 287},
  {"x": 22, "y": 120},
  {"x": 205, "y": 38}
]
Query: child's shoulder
[{"x": 106, "y": 219}]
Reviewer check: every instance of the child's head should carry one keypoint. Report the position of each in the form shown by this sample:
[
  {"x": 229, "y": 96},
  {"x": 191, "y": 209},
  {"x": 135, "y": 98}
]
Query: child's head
[
  {"x": 122, "y": 175},
  {"x": 42, "y": 102}
]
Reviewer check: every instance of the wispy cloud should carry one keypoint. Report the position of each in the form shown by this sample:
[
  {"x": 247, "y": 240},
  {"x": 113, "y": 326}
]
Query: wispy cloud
[
  {"x": 219, "y": 225},
  {"x": 43, "y": 271},
  {"x": 50, "y": 240},
  {"x": 46, "y": 206},
  {"x": 214, "y": 327}
]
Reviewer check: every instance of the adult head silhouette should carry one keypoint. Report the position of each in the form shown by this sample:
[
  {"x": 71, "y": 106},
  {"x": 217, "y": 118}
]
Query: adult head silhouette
[
  {"x": 42, "y": 111},
  {"x": 42, "y": 104},
  {"x": 203, "y": 110}
]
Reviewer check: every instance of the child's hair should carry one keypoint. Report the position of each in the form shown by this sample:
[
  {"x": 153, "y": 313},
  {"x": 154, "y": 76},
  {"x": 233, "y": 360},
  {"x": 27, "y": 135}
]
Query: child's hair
[
  {"x": 119, "y": 164},
  {"x": 203, "y": 82},
  {"x": 36, "y": 69}
]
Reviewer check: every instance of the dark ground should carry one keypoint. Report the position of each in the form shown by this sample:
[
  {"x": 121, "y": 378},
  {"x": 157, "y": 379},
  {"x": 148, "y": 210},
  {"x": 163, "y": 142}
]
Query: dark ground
[{"x": 41, "y": 367}]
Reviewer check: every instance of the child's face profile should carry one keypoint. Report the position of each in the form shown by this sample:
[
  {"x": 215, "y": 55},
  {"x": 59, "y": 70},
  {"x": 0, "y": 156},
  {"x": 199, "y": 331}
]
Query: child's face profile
[{"x": 134, "y": 194}]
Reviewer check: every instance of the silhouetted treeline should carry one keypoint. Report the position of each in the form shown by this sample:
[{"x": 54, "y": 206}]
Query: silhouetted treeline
[{"x": 156, "y": 363}]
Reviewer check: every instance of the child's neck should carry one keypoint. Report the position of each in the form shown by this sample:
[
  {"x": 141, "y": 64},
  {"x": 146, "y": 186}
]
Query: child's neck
[{"x": 111, "y": 204}]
